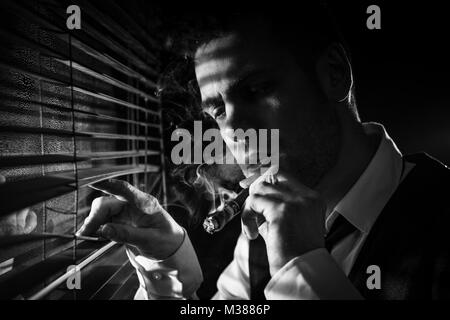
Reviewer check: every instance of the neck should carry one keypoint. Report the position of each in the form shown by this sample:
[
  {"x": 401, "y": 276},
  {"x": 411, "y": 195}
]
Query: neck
[{"x": 357, "y": 150}]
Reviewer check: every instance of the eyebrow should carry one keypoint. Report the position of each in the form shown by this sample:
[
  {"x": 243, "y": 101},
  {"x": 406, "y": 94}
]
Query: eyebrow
[
  {"x": 212, "y": 102},
  {"x": 218, "y": 100},
  {"x": 247, "y": 76}
]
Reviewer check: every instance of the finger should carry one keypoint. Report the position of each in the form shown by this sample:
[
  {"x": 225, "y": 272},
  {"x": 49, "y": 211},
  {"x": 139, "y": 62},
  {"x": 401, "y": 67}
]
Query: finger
[
  {"x": 263, "y": 229},
  {"x": 250, "y": 222},
  {"x": 266, "y": 206},
  {"x": 248, "y": 181},
  {"x": 124, "y": 234},
  {"x": 249, "y": 227},
  {"x": 102, "y": 209},
  {"x": 282, "y": 186},
  {"x": 287, "y": 180},
  {"x": 21, "y": 217},
  {"x": 31, "y": 222},
  {"x": 269, "y": 176},
  {"x": 122, "y": 190},
  {"x": 279, "y": 191}
]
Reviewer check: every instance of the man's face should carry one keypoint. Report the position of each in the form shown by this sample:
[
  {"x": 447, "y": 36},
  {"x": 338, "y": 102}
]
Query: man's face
[{"x": 248, "y": 80}]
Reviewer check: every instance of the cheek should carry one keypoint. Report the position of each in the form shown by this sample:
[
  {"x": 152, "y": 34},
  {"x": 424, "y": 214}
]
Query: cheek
[
  {"x": 267, "y": 112},
  {"x": 273, "y": 103},
  {"x": 299, "y": 107},
  {"x": 300, "y": 95},
  {"x": 234, "y": 147}
]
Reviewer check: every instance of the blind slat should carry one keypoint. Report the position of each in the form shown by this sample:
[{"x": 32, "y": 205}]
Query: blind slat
[
  {"x": 94, "y": 35},
  {"x": 90, "y": 93},
  {"x": 28, "y": 160},
  {"x": 65, "y": 59},
  {"x": 81, "y": 134},
  {"x": 21, "y": 194},
  {"x": 77, "y": 43},
  {"x": 110, "y": 61},
  {"x": 62, "y": 279},
  {"x": 82, "y": 112},
  {"x": 116, "y": 29},
  {"x": 106, "y": 78}
]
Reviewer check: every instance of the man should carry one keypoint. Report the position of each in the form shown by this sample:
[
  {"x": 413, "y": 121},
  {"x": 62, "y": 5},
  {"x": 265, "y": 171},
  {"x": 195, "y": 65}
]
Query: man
[{"x": 343, "y": 202}]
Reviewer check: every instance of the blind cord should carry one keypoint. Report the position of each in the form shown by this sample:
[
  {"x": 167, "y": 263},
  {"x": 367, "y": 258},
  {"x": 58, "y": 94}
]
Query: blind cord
[{"x": 74, "y": 252}]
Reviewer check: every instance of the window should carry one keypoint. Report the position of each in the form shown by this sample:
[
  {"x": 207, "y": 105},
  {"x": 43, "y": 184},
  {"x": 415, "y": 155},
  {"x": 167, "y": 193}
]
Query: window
[{"x": 75, "y": 108}]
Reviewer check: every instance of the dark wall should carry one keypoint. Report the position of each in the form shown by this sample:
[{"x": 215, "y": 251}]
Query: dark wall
[{"x": 401, "y": 72}]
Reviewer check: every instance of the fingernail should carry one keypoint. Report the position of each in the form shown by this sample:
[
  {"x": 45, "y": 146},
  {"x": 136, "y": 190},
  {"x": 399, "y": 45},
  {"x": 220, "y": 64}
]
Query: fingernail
[
  {"x": 248, "y": 181},
  {"x": 108, "y": 232}
]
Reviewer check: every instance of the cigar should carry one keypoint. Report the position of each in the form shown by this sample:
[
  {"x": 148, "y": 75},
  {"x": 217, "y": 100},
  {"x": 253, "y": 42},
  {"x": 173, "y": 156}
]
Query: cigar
[{"x": 218, "y": 219}]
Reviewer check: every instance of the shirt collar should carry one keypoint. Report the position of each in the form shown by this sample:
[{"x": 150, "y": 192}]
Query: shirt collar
[{"x": 364, "y": 201}]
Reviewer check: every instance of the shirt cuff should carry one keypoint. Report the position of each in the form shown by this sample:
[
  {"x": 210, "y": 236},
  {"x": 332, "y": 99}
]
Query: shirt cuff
[
  {"x": 177, "y": 277},
  {"x": 314, "y": 275}
]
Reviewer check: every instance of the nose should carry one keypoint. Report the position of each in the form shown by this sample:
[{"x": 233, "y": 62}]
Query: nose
[{"x": 240, "y": 116}]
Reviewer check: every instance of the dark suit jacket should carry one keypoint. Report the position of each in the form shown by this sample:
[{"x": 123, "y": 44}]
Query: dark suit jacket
[{"x": 410, "y": 239}]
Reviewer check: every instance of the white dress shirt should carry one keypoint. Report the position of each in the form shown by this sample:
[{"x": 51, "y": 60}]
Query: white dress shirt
[{"x": 317, "y": 274}]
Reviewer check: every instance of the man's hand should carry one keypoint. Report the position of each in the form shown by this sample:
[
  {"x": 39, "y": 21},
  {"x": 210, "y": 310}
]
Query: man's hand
[
  {"x": 135, "y": 218},
  {"x": 294, "y": 216},
  {"x": 19, "y": 222}
]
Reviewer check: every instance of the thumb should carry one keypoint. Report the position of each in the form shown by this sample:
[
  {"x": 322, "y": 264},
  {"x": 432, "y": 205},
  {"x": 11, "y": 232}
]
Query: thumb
[{"x": 250, "y": 229}]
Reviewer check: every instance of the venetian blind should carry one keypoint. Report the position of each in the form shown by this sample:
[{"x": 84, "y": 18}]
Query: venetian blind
[{"x": 76, "y": 107}]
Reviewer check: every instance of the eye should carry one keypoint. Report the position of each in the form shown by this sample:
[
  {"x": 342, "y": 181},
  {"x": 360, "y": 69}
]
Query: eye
[{"x": 218, "y": 112}]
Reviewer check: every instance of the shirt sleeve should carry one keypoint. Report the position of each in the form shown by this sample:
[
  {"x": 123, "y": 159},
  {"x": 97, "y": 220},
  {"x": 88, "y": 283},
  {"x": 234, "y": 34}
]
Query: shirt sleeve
[
  {"x": 312, "y": 276},
  {"x": 233, "y": 283},
  {"x": 177, "y": 277}
]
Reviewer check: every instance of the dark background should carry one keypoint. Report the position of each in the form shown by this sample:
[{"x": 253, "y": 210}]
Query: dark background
[{"x": 401, "y": 71}]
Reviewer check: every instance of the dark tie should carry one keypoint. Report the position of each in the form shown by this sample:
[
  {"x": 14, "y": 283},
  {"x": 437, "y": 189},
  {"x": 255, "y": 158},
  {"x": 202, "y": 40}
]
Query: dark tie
[{"x": 259, "y": 264}]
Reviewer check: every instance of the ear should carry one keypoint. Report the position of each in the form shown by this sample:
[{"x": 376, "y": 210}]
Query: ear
[{"x": 335, "y": 73}]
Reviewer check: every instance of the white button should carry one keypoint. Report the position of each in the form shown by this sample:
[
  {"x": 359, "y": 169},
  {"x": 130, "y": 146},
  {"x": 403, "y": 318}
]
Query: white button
[{"x": 157, "y": 275}]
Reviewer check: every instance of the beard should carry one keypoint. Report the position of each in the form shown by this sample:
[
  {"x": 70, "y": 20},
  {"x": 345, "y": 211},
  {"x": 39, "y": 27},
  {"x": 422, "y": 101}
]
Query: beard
[{"x": 310, "y": 154}]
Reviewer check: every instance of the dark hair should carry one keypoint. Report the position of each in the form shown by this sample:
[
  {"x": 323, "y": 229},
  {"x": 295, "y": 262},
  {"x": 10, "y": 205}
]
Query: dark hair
[
  {"x": 308, "y": 26},
  {"x": 306, "y": 29}
]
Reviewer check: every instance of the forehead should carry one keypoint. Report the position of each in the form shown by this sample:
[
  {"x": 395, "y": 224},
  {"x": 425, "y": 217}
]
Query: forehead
[
  {"x": 218, "y": 56},
  {"x": 230, "y": 57}
]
